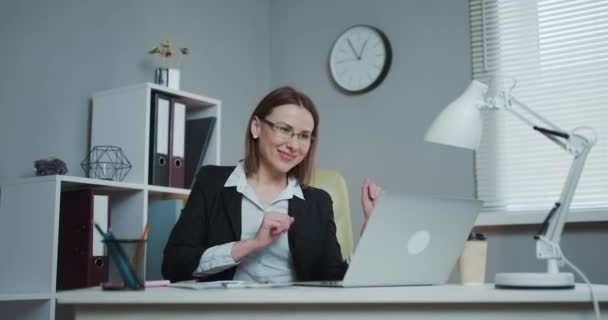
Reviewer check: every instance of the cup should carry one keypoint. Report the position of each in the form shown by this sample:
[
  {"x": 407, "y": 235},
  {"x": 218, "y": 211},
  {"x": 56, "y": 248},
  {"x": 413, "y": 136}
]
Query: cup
[
  {"x": 473, "y": 260},
  {"x": 127, "y": 266}
]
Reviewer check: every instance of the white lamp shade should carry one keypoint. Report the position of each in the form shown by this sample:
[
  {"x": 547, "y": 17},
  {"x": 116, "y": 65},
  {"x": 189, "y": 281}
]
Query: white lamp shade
[{"x": 459, "y": 124}]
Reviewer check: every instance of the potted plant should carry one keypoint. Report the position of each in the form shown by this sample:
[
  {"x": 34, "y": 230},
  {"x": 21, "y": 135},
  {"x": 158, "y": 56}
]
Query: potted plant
[{"x": 168, "y": 73}]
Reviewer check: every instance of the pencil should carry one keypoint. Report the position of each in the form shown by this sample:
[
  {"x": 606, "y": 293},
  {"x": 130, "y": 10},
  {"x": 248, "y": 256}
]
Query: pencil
[
  {"x": 140, "y": 244},
  {"x": 144, "y": 235}
]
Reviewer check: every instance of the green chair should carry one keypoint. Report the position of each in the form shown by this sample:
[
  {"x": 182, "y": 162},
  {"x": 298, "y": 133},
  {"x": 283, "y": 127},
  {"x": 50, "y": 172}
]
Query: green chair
[{"x": 333, "y": 183}]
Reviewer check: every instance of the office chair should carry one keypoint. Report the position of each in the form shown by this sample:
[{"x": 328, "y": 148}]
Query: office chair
[{"x": 333, "y": 183}]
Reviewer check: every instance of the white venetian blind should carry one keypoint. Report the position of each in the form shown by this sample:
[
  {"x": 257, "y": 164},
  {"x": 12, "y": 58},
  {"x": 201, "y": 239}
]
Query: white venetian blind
[{"x": 557, "y": 51}]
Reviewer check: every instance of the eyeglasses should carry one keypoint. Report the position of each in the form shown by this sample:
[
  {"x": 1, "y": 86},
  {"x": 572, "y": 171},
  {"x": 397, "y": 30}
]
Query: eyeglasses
[{"x": 286, "y": 132}]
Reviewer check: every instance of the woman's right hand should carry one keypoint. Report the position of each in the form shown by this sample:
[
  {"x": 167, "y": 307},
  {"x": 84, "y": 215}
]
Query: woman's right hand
[{"x": 272, "y": 227}]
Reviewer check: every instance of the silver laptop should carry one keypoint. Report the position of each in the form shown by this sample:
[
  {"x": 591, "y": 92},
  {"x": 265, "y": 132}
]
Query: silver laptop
[{"x": 409, "y": 240}]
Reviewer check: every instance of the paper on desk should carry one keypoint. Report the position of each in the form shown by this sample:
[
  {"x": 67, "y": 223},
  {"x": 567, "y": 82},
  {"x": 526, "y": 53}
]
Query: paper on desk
[{"x": 226, "y": 284}]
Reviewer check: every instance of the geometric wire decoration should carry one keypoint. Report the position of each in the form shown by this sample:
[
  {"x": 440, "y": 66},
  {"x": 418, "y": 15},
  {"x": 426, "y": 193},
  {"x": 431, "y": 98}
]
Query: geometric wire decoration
[{"x": 106, "y": 163}]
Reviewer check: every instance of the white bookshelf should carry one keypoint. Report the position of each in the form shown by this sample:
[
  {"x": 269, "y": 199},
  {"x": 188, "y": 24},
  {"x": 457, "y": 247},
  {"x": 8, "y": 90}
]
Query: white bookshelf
[
  {"x": 121, "y": 117},
  {"x": 158, "y": 190},
  {"x": 30, "y": 207},
  {"x": 26, "y": 296}
]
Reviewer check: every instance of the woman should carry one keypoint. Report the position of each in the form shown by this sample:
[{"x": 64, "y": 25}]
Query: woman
[{"x": 261, "y": 221}]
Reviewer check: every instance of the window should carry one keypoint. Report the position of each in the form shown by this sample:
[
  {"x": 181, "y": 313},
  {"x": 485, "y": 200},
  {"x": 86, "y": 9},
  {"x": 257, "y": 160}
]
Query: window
[{"x": 557, "y": 52}]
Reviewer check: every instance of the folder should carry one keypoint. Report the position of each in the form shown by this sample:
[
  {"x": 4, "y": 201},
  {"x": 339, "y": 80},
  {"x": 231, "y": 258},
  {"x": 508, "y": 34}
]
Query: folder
[
  {"x": 176, "y": 146},
  {"x": 162, "y": 216},
  {"x": 159, "y": 140},
  {"x": 82, "y": 260},
  {"x": 198, "y": 136}
]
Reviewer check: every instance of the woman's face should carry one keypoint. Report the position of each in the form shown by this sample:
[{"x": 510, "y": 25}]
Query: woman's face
[{"x": 285, "y": 136}]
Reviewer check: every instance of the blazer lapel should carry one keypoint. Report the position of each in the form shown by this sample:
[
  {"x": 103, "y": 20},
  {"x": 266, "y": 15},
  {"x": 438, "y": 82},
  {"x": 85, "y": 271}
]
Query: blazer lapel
[
  {"x": 296, "y": 210},
  {"x": 232, "y": 203}
]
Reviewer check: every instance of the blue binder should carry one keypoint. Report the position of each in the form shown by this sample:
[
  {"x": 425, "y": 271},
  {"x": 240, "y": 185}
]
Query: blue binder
[{"x": 162, "y": 215}]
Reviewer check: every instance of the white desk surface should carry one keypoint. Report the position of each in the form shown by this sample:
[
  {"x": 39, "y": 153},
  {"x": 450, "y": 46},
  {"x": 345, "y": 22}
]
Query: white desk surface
[{"x": 445, "y": 294}]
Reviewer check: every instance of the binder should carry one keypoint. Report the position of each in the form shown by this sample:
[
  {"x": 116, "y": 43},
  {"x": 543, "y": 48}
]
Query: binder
[
  {"x": 158, "y": 173},
  {"x": 82, "y": 260},
  {"x": 162, "y": 215},
  {"x": 198, "y": 136},
  {"x": 176, "y": 146}
]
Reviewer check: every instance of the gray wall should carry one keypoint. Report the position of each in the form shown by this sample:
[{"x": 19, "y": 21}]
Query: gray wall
[
  {"x": 380, "y": 134},
  {"x": 58, "y": 53}
]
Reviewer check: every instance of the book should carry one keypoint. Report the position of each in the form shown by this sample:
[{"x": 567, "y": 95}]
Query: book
[
  {"x": 227, "y": 284},
  {"x": 177, "y": 144},
  {"x": 159, "y": 140},
  {"x": 81, "y": 259},
  {"x": 198, "y": 135}
]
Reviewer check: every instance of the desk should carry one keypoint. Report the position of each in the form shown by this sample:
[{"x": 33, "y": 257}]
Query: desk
[{"x": 424, "y": 302}]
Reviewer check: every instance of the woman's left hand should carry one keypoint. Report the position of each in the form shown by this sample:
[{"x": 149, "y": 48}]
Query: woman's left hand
[{"x": 370, "y": 193}]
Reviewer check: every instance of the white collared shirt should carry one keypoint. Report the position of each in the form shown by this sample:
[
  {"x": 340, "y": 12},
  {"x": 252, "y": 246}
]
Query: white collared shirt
[{"x": 272, "y": 264}]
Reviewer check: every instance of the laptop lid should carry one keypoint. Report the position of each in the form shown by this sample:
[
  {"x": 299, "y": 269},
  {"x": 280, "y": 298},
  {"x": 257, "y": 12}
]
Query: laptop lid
[{"x": 411, "y": 240}]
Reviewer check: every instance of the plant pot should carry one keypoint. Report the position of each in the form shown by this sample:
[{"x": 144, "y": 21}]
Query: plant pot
[{"x": 168, "y": 77}]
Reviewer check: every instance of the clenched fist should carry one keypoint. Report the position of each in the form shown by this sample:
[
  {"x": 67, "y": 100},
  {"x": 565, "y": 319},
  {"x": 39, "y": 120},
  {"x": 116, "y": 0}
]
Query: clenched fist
[{"x": 272, "y": 227}]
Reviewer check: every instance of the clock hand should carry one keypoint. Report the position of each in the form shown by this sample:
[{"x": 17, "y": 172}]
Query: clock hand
[
  {"x": 353, "y": 49},
  {"x": 363, "y": 48}
]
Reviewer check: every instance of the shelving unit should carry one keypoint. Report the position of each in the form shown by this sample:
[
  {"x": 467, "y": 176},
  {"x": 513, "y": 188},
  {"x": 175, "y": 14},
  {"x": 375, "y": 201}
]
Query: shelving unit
[
  {"x": 121, "y": 117},
  {"x": 30, "y": 208}
]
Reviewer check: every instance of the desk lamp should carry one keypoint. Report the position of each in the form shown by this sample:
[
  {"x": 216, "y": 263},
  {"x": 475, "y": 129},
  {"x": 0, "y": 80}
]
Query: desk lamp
[{"x": 460, "y": 123}]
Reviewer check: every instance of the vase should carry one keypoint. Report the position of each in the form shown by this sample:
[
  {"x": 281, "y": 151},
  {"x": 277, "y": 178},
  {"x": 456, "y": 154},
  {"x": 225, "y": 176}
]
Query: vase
[
  {"x": 161, "y": 76},
  {"x": 168, "y": 77},
  {"x": 173, "y": 78}
]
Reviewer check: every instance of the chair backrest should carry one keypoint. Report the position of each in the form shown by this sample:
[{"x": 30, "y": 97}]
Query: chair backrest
[{"x": 333, "y": 183}]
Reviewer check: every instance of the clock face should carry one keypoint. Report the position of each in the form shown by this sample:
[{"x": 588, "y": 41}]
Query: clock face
[{"x": 360, "y": 59}]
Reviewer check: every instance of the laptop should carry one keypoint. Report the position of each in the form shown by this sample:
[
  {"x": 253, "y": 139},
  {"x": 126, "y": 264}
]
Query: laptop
[{"x": 409, "y": 240}]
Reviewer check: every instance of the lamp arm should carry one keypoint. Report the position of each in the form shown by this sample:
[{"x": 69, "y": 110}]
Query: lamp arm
[
  {"x": 576, "y": 144},
  {"x": 549, "y": 236},
  {"x": 546, "y": 122},
  {"x": 556, "y": 225},
  {"x": 553, "y": 131}
]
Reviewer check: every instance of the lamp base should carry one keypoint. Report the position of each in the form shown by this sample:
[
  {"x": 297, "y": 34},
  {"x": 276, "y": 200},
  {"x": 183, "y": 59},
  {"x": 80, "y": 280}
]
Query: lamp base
[{"x": 534, "y": 280}]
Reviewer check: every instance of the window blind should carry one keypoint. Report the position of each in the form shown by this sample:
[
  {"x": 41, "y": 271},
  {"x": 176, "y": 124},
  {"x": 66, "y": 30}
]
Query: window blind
[{"x": 557, "y": 53}]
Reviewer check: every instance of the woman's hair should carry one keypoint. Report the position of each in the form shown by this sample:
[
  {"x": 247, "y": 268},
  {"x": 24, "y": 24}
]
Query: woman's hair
[{"x": 282, "y": 96}]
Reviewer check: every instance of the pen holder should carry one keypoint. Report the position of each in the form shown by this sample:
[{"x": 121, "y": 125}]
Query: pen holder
[{"x": 127, "y": 265}]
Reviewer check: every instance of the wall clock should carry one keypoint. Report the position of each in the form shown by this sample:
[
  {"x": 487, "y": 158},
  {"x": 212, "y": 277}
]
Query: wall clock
[{"x": 359, "y": 59}]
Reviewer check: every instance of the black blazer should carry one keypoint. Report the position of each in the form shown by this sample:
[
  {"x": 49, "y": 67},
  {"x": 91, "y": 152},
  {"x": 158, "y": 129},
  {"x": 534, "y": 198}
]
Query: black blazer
[{"x": 212, "y": 216}]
